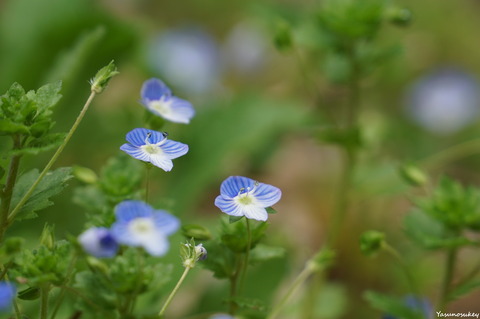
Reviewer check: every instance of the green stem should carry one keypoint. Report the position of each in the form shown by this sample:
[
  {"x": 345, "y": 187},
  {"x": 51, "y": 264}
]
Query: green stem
[
  {"x": 138, "y": 287},
  {"x": 174, "y": 291},
  {"x": 147, "y": 180},
  {"x": 233, "y": 286},
  {"x": 7, "y": 191},
  {"x": 18, "y": 314},
  {"x": 447, "y": 279},
  {"x": 70, "y": 272},
  {"x": 411, "y": 282},
  {"x": 87, "y": 300},
  {"x": 451, "y": 154},
  {"x": 247, "y": 254},
  {"x": 44, "y": 291},
  {"x": 300, "y": 279},
  {"x": 55, "y": 156}
]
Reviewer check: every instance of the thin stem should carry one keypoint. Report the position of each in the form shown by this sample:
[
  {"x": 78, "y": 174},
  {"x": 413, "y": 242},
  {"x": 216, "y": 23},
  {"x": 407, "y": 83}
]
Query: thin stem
[
  {"x": 44, "y": 291},
  {"x": 451, "y": 154},
  {"x": 87, "y": 300},
  {"x": 174, "y": 291},
  {"x": 247, "y": 254},
  {"x": 70, "y": 271},
  {"x": 392, "y": 251},
  {"x": 18, "y": 314},
  {"x": 138, "y": 287},
  {"x": 233, "y": 286},
  {"x": 306, "y": 272},
  {"x": 147, "y": 180},
  {"x": 55, "y": 156},
  {"x": 447, "y": 279},
  {"x": 7, "y": 191}
]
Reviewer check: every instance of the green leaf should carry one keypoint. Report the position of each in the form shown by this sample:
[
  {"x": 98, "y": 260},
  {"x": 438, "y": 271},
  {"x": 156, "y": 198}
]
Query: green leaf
[
  {"x": 222, "y": 260},
  {"x": 392, "y": 306},
  {"x": 40, "y": 145},
  {"x": 48, "y": 96},
  {"x": 8, "y": 127},
  {"x": 463, "y": 289},
  {"x": 121, "y": 176},
  {"x": 52, "y": 184},
  {"x": 271, "y": 210},
  {"x": 234, "y": 219},
  {"x": 263, "y": 253},
  {"x": 196, "y": 232},
  {"x": 30, "y": 293}
]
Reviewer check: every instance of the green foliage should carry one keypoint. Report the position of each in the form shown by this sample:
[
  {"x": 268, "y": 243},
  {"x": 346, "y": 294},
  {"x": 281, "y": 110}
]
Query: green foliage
[
  {"x": 263, "y": 253},
  {"x": 52, "y": 184},
  {"x": 371, "y": 242},
  {"x": 221, "y": 261},
  {"x": 196, "y": 232},
  {"x": 119, "y": 179},
  {"x": 456, "y": 207},
  {"x": 28, "y": 115},
  {"x": 235, "y": 236},
  {"x": 44, "y": 265},
  {"x": 393, "y": 306}
]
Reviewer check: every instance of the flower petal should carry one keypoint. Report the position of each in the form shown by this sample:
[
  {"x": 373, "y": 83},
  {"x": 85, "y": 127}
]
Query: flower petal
[
  {"x": 135, "y": 152},
  {"x": 181, "y": 111},
  {"x": 131, "y": 209},
  {"x": 267, "y": 195},
  {"x": 162, "y": 161},
  {"x": 154, "y": 89},
  {"x": 156, "y": 244},
  {"x": 173, "y": 149},
  {"x": 98, "y": 242},
  {"x": 228, "y": 206},
  {"x": 255, "y": 212},
  {"x": 232, "y": 185},
  {"x": 166, "y": 222},
  {"x": 138, "y": 136}
]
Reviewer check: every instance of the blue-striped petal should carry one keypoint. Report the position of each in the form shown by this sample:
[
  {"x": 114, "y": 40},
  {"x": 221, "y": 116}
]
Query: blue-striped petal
[
  {"x": 138, "y": 136},
  {"x": 166, "y": 222},
  {"x": 234, "y": 184},
  {"x": 135, "y": 152},
  {"x": 131, "y": 209},
  {"x": 173, "y": 149},
  {"x": 181, "y": 111},
  {"x": 255, "y": 212},
  {"x": 267, "y": 195},
  {"x": 154, "y": 89},
  {"x": 228, "y": 206}
]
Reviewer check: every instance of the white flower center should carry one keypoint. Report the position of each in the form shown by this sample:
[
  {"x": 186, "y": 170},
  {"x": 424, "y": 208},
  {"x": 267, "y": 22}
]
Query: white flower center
[
  {"x": 151, "y": 149},
  {"x": 161, "y": 106},
  {"x": 245, "y": 196},
  {"x": 142, "y": 226}
]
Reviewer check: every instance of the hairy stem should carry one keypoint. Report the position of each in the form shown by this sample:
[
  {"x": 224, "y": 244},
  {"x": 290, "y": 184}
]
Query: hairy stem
[
  {"x": 16, "y": 210},
  {"x": 174, "y": 291}
]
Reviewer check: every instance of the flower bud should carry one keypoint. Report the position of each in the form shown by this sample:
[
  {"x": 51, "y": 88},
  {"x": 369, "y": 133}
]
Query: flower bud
[
  {"x": 47, "y": 238},
  {"x": 103, "y": 76},
  {"x": 413, "y": 175},
  {"x": 371, "y": 242},
  {"x": 85, "y": 175}
]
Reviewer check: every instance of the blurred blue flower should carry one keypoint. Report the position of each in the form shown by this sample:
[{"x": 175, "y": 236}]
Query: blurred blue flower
[
  {"x": 153, "y": 147},
  {"x": 242, "y": 196},
  {"x": 221, "y": 316},
  {"x": 158, "y": 98},
  {"x": 7, "y": 294},
  {"x": 420, "y": 304},
  {"x": 188, "y": 57},
  {"x": 444, "y": 101},
  {"x": 139, "y": 225},
  {"x": 98, "y": 242}
]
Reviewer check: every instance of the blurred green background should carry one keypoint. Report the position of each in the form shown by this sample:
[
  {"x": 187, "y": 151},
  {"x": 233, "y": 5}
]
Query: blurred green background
[{"x": 256, "y": 111}]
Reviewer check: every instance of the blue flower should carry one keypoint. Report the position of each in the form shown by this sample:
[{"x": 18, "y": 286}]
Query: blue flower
[
  {"x": 139, "y": 225},
  {"x": 7, "y": 293},
  {"x": 242, "y": 196},
  {"x": 417, "y": 304},
  {"x": 153, "y": 147},
  {"x": 98, "y": 242},
  {"x": 158, "y": 99}
]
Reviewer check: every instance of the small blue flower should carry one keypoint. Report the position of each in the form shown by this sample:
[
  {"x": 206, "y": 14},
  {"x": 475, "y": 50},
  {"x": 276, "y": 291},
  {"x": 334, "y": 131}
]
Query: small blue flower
[
  {"x": 98, "y": 242},
  {"x": 158, "y": 99},
  {"x": 242, "y": 196},
  {"x": 7, "y": 294},
  {"x": 421, "y": 305},
  {"x": 153, "y": 147},
  {"x": 139, "y": 225}
]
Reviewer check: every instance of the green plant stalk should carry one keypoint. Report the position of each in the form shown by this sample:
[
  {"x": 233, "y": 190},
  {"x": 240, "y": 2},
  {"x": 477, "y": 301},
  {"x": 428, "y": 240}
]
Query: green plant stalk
[
  {"x": 87, "y": 300},
  {"x": 44, "y": 291},
  {"x": 16, "y": 210},
  {"x": 61, "y": 295},
  {"x": 7, "y": 191},
  {"x": 411, "y": 282},
  {"x": 447, "y": 278},
  {"x": 247, "y": 254},
  {"x": 299, "y": 280},
  {"x": 18, "y": 314},
  {"x": 451, "y": 154},
  {"x": 133, "y": 298},
  {"x": 174, "y": 291},
  {"x": 147, "y": 180},
  {"x": 233, "y": 286}
]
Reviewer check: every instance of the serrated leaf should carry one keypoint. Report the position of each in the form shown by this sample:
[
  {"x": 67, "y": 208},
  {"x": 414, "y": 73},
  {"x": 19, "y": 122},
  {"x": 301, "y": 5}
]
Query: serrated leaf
[
  {"x": 48, "y": 95},
  {"x": 8, "y": 127},
  {"x": 52, "y": 184},
  {"x": 40, "y": 145}
]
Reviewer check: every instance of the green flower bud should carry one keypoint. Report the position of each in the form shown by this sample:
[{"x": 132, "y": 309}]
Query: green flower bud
[
  {"x": 85, "y": 175},
  {"x": 371, "y": 242},
  {"x": 97, "y": 265},
  {"x": 399, "y": 16},
  {"x": 192, "y": 253},
  {"x": 47, "y": 238},
  {"x": 196, "y": 232},
  {"x": 321, "y": 260},
  {"x": 413, "y": 175},
  {"x": 103, "y": 76},
  {"x": 283, "y": 36}
]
